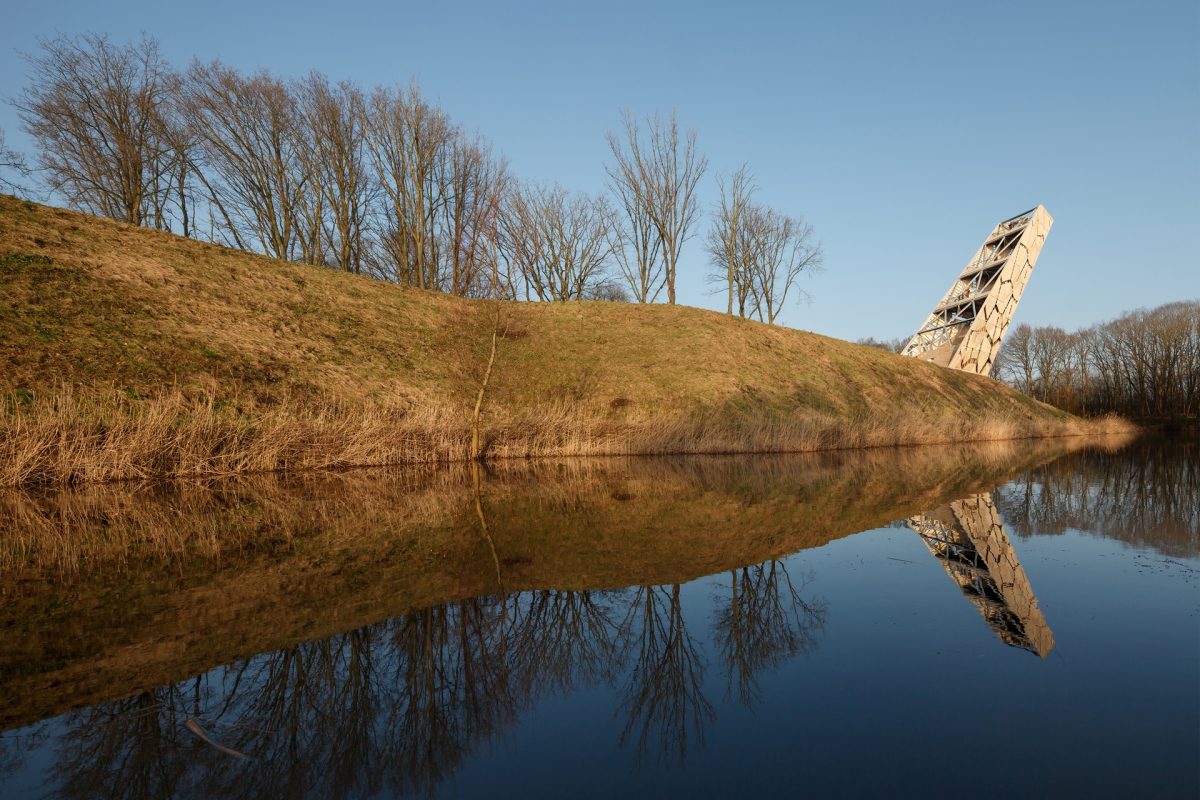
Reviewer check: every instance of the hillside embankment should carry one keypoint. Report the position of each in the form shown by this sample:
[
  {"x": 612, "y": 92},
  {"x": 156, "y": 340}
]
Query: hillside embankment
[{"x": 127, "y": 353}]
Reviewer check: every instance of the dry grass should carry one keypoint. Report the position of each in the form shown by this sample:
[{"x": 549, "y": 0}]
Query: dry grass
[
  {"x": 71, "y": 439},
  {"x": 127, "y": 353}
]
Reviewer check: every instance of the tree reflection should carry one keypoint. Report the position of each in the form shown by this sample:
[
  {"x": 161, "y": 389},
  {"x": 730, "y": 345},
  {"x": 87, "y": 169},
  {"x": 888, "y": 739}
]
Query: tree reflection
[
  {"x": 565, "y": 640},
  {"x": 765, "y": 622},
  {"x": 398, "y": 706},
  {"x": 663, "y": 697},
  {"x": 1147, "y": 496},
  {"x": 454, "y": 690},
  {"x": 131, "y": 748},
  {"x": 14, "y": 748},
  {"x": 301, "y": 712}
]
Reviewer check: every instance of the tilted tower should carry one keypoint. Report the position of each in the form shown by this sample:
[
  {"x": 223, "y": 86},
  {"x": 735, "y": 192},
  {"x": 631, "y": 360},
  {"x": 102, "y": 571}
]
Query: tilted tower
[{"x": 966, "y": 327}]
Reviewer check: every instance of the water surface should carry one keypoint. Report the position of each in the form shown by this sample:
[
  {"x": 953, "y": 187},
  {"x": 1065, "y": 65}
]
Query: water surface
[{"x": 1008, "y": 620}]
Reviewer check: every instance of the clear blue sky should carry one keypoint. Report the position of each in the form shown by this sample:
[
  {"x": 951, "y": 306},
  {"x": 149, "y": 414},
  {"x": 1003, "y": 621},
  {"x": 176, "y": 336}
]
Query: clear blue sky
[{"x": 903, "y": 133}]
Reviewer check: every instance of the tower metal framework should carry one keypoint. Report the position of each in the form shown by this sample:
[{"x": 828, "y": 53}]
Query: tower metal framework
[{"x": 966, "y": 328}]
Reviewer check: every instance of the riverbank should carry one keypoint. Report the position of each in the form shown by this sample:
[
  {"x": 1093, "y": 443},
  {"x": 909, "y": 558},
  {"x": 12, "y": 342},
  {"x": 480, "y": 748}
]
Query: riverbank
[
  {"x": 127, "y": 353},
  {"x": 68, "y": 439}
]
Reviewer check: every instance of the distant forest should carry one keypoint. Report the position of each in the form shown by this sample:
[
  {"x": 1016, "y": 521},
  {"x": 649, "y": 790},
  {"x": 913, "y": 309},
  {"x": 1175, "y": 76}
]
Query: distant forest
[
  {"x": 383, "y": 182},
  {"x": 1144, "y": 364}
]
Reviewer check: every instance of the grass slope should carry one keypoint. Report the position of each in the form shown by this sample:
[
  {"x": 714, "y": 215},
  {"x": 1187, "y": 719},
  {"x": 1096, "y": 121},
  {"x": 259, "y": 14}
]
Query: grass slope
[
  {"x": 93, "y": 302},
  {"x": 98, "y": 309}
]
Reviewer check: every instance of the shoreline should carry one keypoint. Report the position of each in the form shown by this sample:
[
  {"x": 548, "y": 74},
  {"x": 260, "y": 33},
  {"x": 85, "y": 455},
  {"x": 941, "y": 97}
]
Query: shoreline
[{"x": 70, "y": 441}]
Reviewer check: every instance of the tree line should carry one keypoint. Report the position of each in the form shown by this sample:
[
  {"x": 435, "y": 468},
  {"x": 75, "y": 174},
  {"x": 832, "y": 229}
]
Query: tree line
[
  {"x": 385, "y": 183},
  {"x": 1143, "y": 364},
  {"x": 1148, "y": 497}
]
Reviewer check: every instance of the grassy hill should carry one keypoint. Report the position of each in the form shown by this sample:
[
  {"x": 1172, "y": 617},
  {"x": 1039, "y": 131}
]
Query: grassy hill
[{"x": 126, "y": 352}]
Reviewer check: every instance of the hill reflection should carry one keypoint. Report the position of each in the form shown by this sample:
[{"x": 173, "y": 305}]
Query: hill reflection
[
  {"x": 372, "y": 633},
  {"x": 397, "y": 706},
  {"x": 113, "y": 590}
]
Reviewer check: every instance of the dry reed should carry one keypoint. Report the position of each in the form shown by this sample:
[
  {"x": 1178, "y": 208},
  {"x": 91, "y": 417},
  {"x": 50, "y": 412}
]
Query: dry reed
[
  {"x": 71, "y": 439},
  {"x": 108, "y": 527}
]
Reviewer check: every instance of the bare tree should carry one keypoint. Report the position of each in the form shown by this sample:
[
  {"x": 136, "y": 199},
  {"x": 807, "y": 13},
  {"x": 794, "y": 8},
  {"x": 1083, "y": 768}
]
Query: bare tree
[
  {"x": 654, "y": 178},
  {"x": 609, "y": 291},
  {"x": 890, "y": 345},
  {"x": 183, "y": 144},
  {"x": 637, "y": 250},
  {"x": 557, "y": 241},
  {"x": 636, "y": 244},
  {"x": 334, "y": 153},
  {"x": 442, "y": 191},
  {"x": 14, "y": 162},
  {"x": 758, "y": 252},
  {"x": 785, "y": 249},
  {"x": 1049, "y": 352},
  {"x": 727, "y": 238},
  {"x": 478, "y": 182},
  {"x": 1145, "y": 363},
  {"x": 246, "y": 130},
  {"x": 409, "y": 141},
  {"x": 1016, "y": 358},
  {"x": 95, "y": 111}
]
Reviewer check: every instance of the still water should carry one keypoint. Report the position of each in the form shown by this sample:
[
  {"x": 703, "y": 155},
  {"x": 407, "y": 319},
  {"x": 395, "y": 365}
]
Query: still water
[{"x": 997, "y": 621}]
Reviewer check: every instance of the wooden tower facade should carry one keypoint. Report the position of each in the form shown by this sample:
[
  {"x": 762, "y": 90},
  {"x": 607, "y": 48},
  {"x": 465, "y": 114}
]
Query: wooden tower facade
[{"x": 966, "y": 328}]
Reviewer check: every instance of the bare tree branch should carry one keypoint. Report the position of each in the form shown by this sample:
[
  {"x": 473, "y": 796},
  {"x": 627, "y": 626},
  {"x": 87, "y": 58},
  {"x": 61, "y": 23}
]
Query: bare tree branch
[
  {"x": 729, "y": 241},
  {"x": 1145, "y": 363},
  {"x": 654, "y": 179},
  {"x": 758, "y": 252},
  {"x": 14, "y": 162},
  {"x": 559, "y": 242},
  {"x": 246, "y": 131},
  {"x": 333, "y": 150},
  {"x": 95, "y": 111}
]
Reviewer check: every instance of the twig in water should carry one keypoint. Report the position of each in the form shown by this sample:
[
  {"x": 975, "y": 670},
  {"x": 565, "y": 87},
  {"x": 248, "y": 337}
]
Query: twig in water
[{"x": 199, "y": 732}]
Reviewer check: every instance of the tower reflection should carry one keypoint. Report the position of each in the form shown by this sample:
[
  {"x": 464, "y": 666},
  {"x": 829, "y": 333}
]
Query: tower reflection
[{"x": 968, "y": 539}]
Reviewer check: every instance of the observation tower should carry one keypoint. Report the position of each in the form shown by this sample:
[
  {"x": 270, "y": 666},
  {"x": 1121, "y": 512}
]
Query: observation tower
[{"x": 966, "y": 328}]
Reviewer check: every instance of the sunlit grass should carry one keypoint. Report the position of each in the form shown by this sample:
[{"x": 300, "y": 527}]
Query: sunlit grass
[{"x": 128, "y": 353}]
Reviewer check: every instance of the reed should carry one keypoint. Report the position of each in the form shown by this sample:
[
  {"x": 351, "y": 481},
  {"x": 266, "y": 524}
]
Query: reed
[
  {"x": 107, "y": 528},
  {"x": 72, "y": 438}
]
